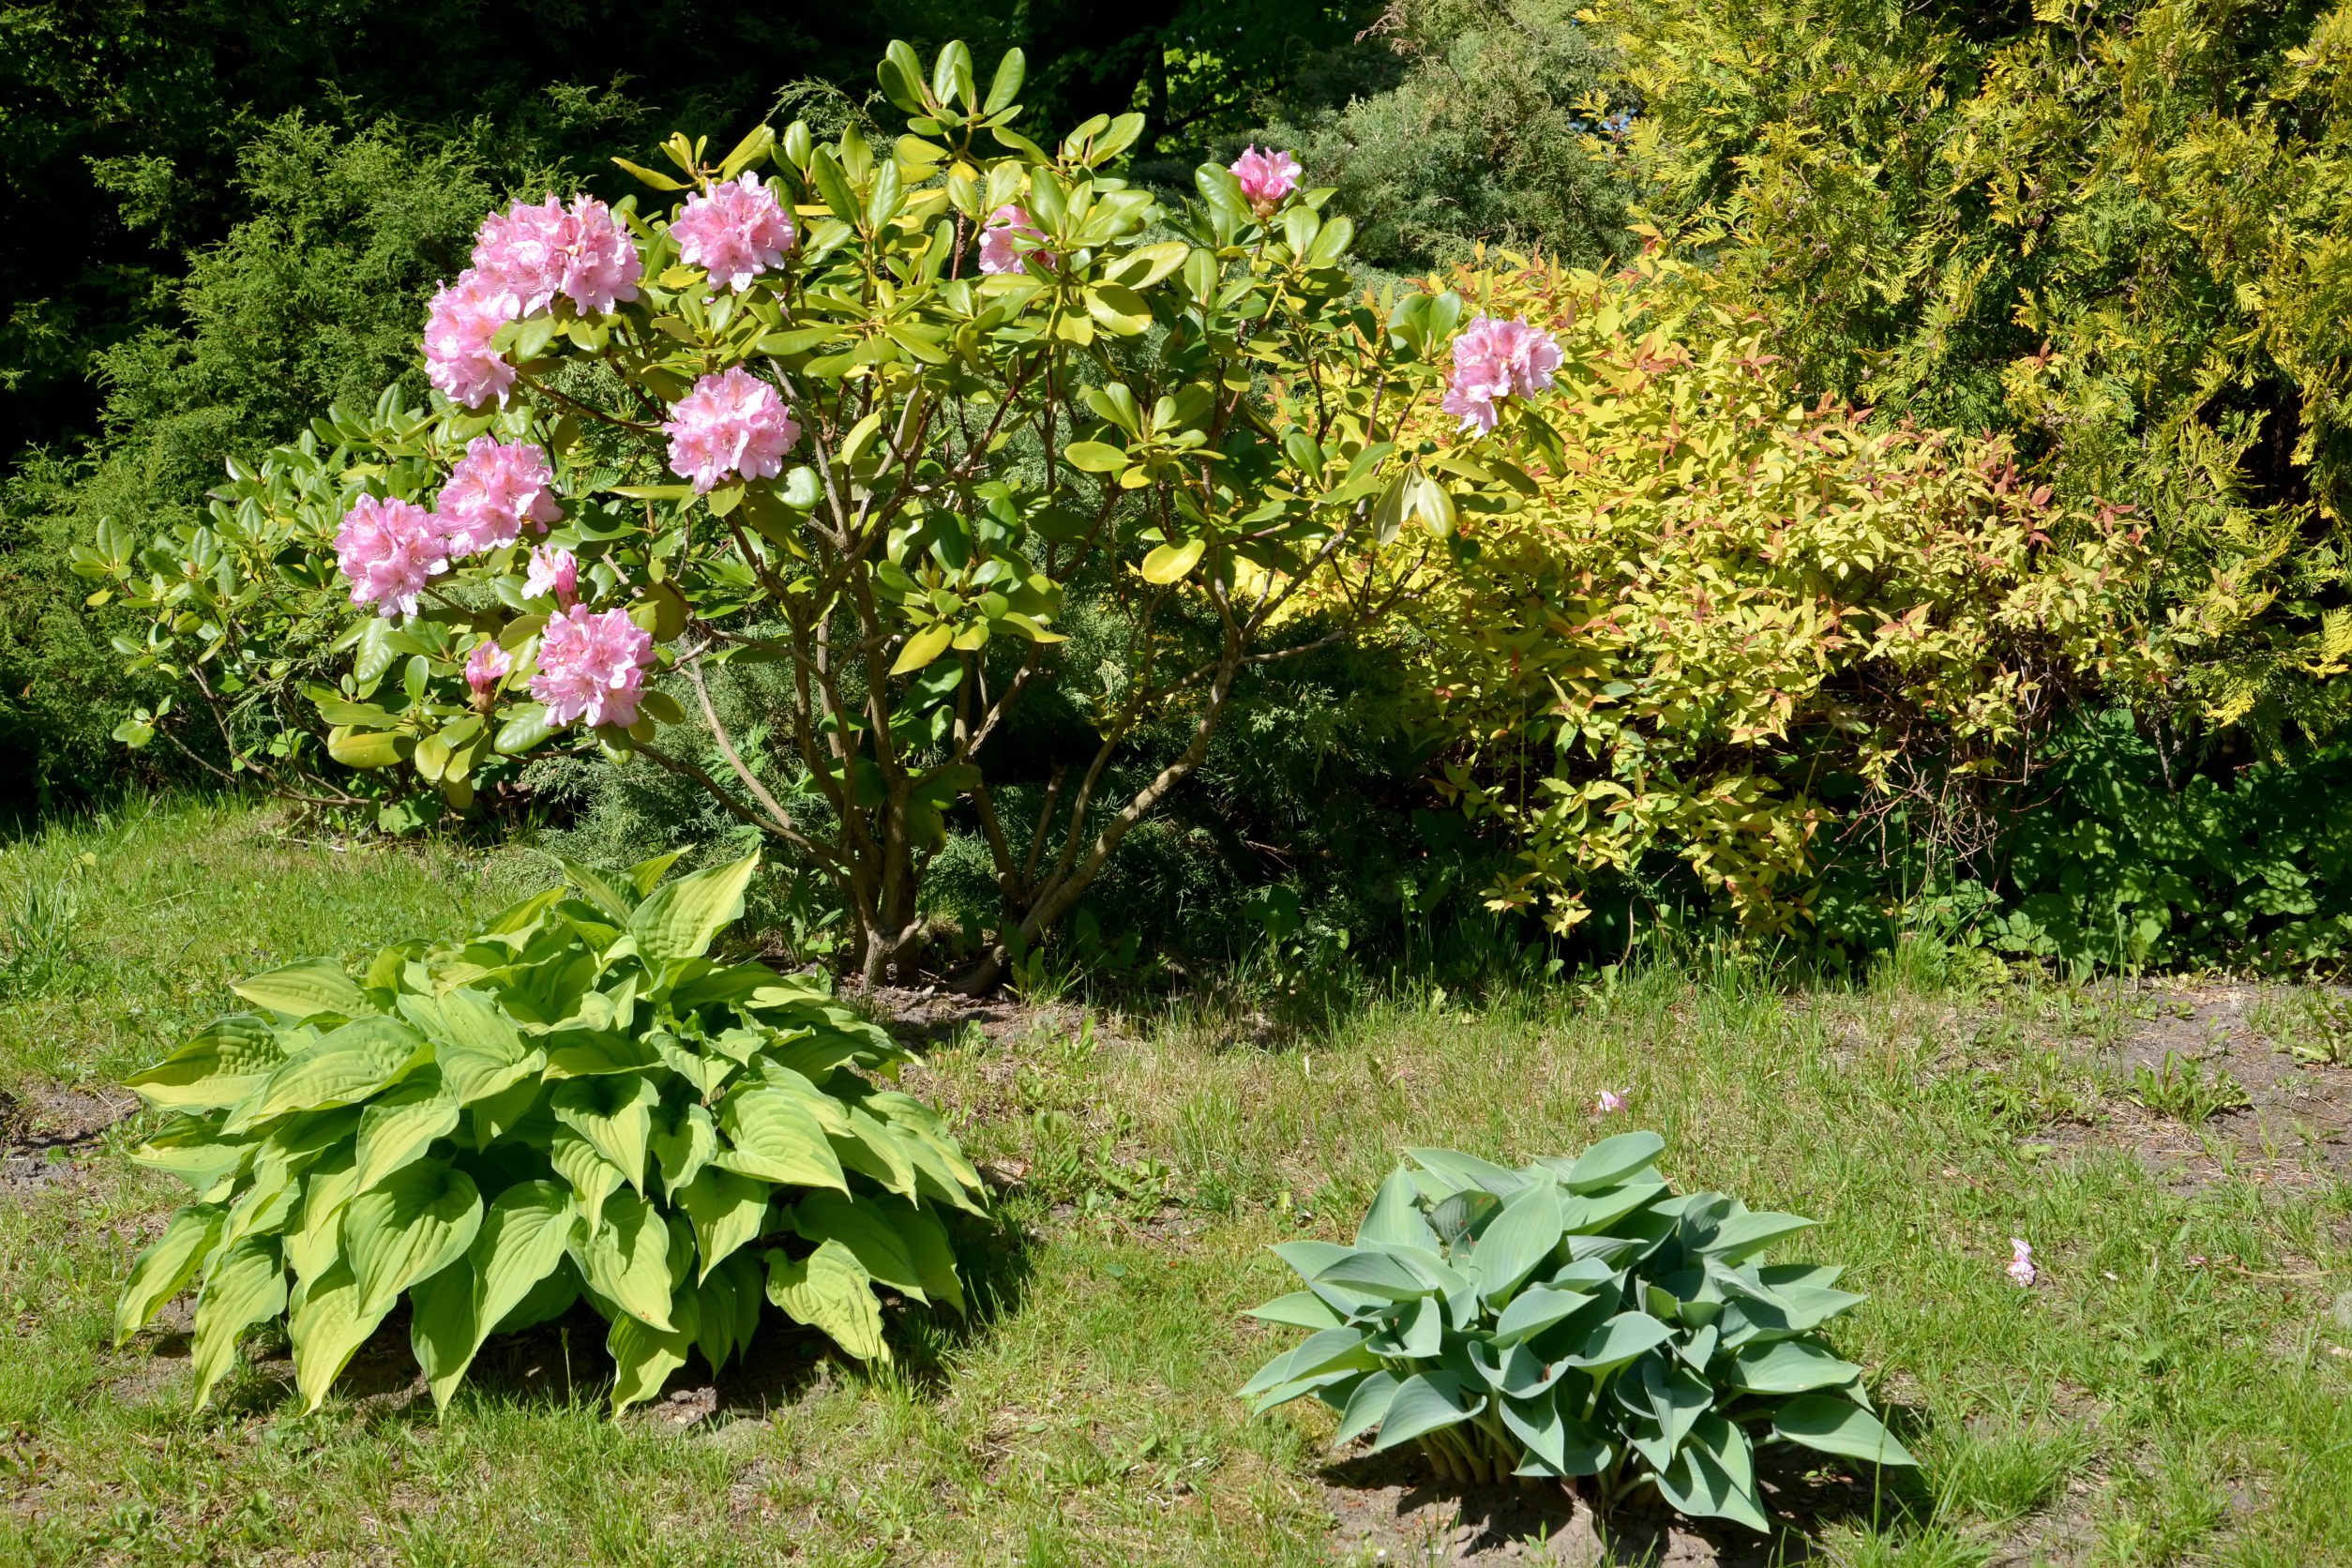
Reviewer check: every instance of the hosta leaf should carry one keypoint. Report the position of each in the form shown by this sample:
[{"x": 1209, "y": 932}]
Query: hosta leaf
[
  {"x": 614, "y": 1112},
  {"x": 828, "y": 1291},
  {"x": 643, "y": 1356},
  {"x": 1746, "y": 1235},
  {"x": 775, "y": 1136},
  {"x": 219, "y": 1066},
  {"x": 409, "y": 1228},
  {"x": 1790, "y": 1366},
  {"x": 316, "y": 1242},
  {"x": 1395, "y": 1218},
  {"x": 678, "y": 920},
  {"x": 1374, "y": 1273},
  {"x": 879, "y": 1151},
  {"x": 441, "y": 1328},
  {"x": 1535, "y": 1309},
  {"x": 880, "y": 1251},
  {"x": 1836, "y": 1426},
  {"x": 164, "y": 1269},
  {"x": 304, "y": 989},
  {"x": 196, "y": 1151},
  {"x": 398, "y": 1126},
  {"x": 723, "y": 1325},
  {"x": 522, "y": 1243},
  {"x": 1366, "y": 1406},
  {"x": 1597, "y": 1211},
  {"x": 706, "y": 1071},
  {"x": 343, "y": 1067},
  {"x": 480, "y": 1053},
  {"x": 1619, "y": 1341},
  {"x": 1674, "y": 1397},
  {"x": 326, "y": 1327},
  {"x": 593, "y": 1177},
  {"x": 264, "y": 1206},
  {"x": 1613, "y": 1160},
  {"x": 589, "y": 1053},
  {"x": 1562, "y": 1443},
  {"x": 247, "y": 1284},
  {"x": 1518, "y": 1238},
  {"x": 927, "y": 1243},
  {"x": 1469, "y": 1170},
  {"x": 1300, "y": 1309},
  {"x": 683, "y": 1140},
  {"x": 1697, "y": 1484},
  {"x": 726, "y": 1210},
  {"x": 1309, "y": 1259},
  {"x": 1426, "y": 1402},
  {"x": 627, "y": 1259}
]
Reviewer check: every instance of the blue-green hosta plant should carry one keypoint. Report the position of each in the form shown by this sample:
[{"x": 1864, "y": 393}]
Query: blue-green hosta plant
[
  {"x": 1574, "y": 1318},
  {"x": 575, "y": 1102}
]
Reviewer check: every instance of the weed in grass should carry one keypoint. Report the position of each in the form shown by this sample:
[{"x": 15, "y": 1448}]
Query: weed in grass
[
  {"x": 2183, "y": 1091},
  {"x": 2001, "y": 1469},
  {"x": 37, "y": 919},
  {"x": 2314, "y": 1024},
  {"x": 1935, "y": 1546}
]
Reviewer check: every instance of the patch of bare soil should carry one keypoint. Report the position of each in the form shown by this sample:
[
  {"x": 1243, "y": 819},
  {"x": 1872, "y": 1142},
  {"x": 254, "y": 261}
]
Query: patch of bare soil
[
  {"x": 45, "y": 1128},
  {"x": 1391, "y": 1508},
  {"x": 2287, "y": 1123}
]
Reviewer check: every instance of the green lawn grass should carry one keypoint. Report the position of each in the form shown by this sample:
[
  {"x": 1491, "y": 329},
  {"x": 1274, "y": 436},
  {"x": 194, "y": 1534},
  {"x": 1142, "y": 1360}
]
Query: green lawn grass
[{"x": 2134, "y": 1408}]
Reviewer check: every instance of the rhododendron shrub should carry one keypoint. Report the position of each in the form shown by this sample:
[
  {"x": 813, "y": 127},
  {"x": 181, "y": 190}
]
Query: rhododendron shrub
[{"x": 898, "y": 417}]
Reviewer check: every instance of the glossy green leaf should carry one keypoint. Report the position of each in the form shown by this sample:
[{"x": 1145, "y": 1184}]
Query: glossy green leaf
[{"x": 411, "y": 1226}]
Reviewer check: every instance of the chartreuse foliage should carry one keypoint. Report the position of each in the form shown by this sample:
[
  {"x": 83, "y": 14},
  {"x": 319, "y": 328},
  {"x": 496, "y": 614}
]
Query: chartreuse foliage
[
  {"x": 1725, "y": 618},
  {"x": 1574, "y": 1318},
  {"x": 576, "y": 1101}
]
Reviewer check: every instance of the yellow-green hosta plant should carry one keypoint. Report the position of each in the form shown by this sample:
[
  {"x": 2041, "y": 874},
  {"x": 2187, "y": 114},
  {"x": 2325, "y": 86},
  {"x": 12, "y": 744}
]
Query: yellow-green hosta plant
[
  {"x": 1574, "y": 1318},
  {"x": 576, "y": 1101}
]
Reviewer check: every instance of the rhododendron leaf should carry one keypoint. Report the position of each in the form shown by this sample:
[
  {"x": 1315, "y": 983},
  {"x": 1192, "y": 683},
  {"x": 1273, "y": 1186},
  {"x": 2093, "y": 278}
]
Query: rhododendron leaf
[
  {"x": 525, "y": 727},
  {"x": 923, "y": 647},
  {"x": 1168, "y": 564},
  {"x": 1330, "y": 242},
  {"x": 1010, "y": 70},
  {"x": 1119, "y": 308},
  {"x": 648, "y": 177},
  {"x": 824, "y": 172}
]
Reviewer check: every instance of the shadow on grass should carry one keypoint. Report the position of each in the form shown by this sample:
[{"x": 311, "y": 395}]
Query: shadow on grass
[
  {"x": 563, "y": 1363},
  {"x": 1393, "y": 1501}
]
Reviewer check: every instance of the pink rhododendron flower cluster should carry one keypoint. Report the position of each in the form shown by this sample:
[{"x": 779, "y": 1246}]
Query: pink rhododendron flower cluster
[
  {"x": 387, "y": 551},
  {"x": 998, "y": 253},
  {"x": 1266, "y": 178},
  {"x": 486, "y": 665},
  {"x": 458, "y": 360},
  {"x": 493, "y": 490},
  {"x": 735, "y": 232},
  {"x": 522, "y": 258},
  {"x": 1495, "y": 359},
  {"x": 552, "y": 571},
  {"x": 592, "y": 667},
  {"x": 536, "y": 252},
  {"x": 730, "y": 423},
  {"x": 2021, "y": 1269}
]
